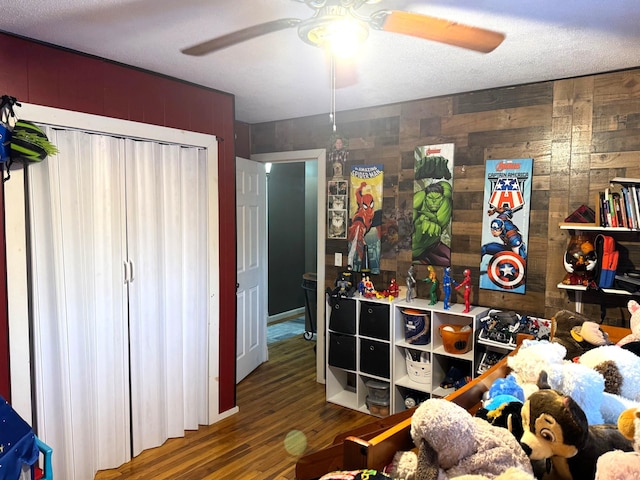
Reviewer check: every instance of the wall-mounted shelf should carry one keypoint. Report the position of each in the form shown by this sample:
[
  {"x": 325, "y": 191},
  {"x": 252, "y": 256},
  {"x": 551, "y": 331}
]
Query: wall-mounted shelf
[{"x": 620, "y": 232}]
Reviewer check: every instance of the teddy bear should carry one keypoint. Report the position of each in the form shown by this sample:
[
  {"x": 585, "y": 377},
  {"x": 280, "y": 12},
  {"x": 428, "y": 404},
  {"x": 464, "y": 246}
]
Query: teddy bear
[
  {"x": 634, "y": 324},
  {"x": 556, "y": 431},
  {"x": 454, "y": 444},
  {"x": 617, "y": 464}
]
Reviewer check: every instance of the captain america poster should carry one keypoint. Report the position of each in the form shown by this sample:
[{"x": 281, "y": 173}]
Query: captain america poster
[{"x": 505, "y": 225}]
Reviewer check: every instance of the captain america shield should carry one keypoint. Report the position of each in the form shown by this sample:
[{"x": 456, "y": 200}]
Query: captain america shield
[{"x": 506, "y": 270}]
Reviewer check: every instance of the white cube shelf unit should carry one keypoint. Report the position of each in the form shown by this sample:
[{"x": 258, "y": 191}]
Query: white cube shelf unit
[{"x": 367, "y": 344}]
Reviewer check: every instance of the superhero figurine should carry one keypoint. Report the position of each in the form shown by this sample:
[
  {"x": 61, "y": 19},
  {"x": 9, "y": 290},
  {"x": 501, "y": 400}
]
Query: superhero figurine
[
  {"x": 344, "y": 286},
  {"x": 466, "y": 283},
  {"x": 411, "y": 284},
  {"x": 433, "y": 280},
  {"x": 393, "y": 289},
  {"x": 446, "y": 286}
]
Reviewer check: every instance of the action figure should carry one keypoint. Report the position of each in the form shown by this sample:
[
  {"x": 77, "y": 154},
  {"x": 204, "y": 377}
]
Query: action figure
[
  {"x": 344, "y": 286},
  {"x": 369, "y": 289},
  {"x": 433, "y": 280},
  {"x": 393, "y": 289},
  {"x": 411, "y": 284},
  {"x": 446, "y": 286},
  {"x": 466, "y": 283}
]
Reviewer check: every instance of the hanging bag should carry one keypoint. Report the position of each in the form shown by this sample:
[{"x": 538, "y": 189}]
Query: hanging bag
[
  {"x": 7, "y": 122},
  {"x": 607, "y": 256}
]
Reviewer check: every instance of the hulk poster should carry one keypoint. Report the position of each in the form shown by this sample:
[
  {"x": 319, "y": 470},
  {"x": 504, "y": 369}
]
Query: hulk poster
[
  {"x": 505, "y": 225},
  {"x": 365, "y": 218},
  {"x": 433, "y": 205}
]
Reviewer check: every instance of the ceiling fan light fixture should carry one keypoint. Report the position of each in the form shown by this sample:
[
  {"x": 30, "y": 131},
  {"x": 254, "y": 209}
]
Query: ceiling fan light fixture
[{"x": 342, "y": 37}]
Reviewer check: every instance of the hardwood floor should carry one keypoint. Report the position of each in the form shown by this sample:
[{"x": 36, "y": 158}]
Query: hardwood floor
[{"x": 280, "y": 397}]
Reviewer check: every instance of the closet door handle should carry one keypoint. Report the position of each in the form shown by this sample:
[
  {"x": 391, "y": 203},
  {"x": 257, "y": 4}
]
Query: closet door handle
[
  {"x": 125, "y": 264},
  {"x": 132, "y": 270}
]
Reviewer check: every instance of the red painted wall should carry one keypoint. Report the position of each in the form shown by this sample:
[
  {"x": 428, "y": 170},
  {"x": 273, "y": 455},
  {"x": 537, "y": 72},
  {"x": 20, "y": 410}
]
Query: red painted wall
[{"x": 45, "y": 75}]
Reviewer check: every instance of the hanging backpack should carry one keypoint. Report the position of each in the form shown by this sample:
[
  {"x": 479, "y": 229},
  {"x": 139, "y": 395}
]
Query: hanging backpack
[
  {"x": 607, "y": 255},
  {"x": 20, "y": 140},
  {"x": 7, "y": 122}
]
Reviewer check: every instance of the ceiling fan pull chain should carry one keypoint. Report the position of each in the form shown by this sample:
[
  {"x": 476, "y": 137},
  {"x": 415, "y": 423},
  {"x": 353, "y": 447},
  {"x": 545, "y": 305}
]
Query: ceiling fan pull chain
[{"x": 332, "y": 115}]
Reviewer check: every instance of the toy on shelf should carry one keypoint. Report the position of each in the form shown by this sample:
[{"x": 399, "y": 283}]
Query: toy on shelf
[
  {"x": 579, "y": 260},
  {"x": 369, "y": 289},
  {"x": 393, "y": 290},
  {"x": 344, "y": 285},
  {"x": 433, "y": 281},
  {"x": 466, "y": 283},
  {"x": 411, "y": 284},
  {"x": 446, "y": 286}
]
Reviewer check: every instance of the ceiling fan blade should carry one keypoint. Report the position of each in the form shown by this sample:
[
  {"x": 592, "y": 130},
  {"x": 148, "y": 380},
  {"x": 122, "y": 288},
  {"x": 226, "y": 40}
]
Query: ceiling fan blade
[
  {"x": 437, "y": 29},
  {"x": 240, "y": 36}
]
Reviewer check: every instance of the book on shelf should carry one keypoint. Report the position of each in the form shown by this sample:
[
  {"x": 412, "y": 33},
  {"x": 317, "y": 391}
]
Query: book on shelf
[
  {"x": 618, "y": 206},
  {"x": 635, "y": 197},
  {"x": 629, "y": 208}
]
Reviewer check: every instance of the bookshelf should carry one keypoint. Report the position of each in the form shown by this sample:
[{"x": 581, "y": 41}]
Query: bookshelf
[{"x": 618, "y": 206}]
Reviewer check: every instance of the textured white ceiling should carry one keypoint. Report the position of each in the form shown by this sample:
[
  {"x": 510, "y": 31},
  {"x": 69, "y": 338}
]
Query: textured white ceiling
[{"x": 277, "y": 76}]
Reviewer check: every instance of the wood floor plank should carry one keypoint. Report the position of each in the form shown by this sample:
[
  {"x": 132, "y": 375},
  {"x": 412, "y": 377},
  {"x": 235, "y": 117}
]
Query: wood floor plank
[{"x": 281, "y": 396}]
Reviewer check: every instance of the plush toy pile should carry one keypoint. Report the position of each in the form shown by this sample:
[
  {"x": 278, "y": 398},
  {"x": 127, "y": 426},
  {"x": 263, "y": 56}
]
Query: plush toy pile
[{"x": 553, "y": 418}]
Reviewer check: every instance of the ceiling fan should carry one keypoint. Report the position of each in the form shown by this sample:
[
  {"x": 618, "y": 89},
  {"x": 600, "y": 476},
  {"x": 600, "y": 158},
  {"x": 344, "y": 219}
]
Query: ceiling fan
[{"x": 328, "y": 13}]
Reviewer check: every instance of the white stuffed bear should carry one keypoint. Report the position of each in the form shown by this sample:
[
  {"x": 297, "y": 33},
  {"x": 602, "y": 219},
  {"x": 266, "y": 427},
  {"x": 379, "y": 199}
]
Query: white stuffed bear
[{"x": 454, "y": 444}]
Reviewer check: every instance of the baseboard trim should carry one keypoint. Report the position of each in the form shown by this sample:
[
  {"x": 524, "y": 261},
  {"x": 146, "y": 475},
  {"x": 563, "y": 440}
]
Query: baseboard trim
[{"x": 278, "y": 317}]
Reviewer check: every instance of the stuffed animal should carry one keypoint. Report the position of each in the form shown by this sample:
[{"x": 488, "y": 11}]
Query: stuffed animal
[
  {"x": 508, "y": 415},
  {"x": 620, "y": 369},
  {"x": 577, "y": 333},
  {"x": 617, "y": 465},
  {"x": 556, "y": 429},
  {"x": 634, "y": 324},
  {"x": 454, "y": 444},
  {"x": 583, "y": 384}
]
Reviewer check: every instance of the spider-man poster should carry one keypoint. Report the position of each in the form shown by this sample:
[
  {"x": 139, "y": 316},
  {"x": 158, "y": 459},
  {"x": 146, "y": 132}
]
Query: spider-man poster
[
  {"x": 365, "y": 218},
  {"x": 505, "y": 225}
]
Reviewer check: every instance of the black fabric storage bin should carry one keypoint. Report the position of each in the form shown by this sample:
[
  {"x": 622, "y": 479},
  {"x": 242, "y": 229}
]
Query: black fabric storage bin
[
  {"x": 374, "y": 358},
  {"x": 374, "y": 320},
  {"x": 342, "y": 351},
  {"x": 343, "y": 315}
]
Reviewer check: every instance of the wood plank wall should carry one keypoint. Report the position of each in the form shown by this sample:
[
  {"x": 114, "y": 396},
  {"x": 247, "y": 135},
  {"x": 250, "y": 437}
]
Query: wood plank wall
[{"x": 580, "y": 132}]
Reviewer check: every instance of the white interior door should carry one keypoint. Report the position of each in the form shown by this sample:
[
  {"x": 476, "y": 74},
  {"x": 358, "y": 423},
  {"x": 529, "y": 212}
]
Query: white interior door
[{"x": 251, "y": 246}]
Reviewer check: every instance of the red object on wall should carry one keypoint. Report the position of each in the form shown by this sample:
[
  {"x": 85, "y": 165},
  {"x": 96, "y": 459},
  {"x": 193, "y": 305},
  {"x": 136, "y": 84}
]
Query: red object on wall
[{"x": 50, "y": 76}]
